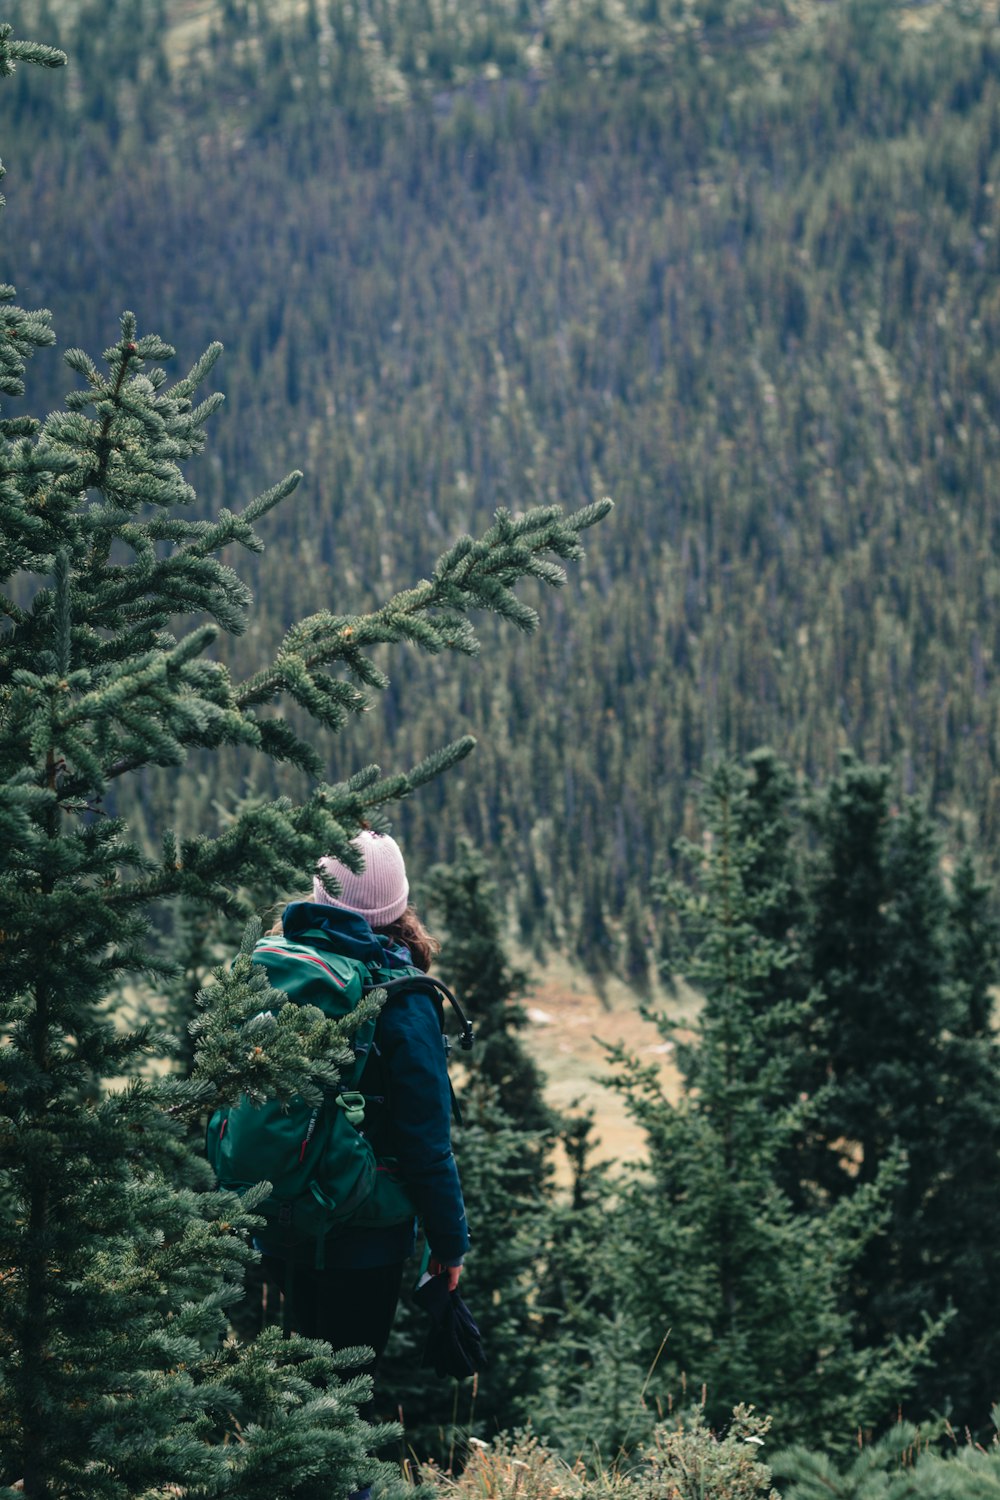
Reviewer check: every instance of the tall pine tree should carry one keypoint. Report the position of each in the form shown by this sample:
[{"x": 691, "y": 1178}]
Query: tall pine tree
[{"x": 117, "y": 1262}]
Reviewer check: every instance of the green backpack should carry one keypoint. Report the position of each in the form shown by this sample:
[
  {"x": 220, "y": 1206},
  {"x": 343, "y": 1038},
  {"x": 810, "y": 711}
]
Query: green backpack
[{"x": 323, "y": 1171}]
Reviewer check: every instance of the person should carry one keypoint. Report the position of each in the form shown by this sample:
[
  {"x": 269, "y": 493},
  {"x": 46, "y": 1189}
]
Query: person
[{"x": 353, "y": 1299}]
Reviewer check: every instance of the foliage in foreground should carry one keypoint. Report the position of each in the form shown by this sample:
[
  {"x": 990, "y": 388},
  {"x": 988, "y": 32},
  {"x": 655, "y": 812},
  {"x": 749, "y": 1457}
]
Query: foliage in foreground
[
  {"x": 684, "y": 1460},
  {"x": 906, "y": 1464}
]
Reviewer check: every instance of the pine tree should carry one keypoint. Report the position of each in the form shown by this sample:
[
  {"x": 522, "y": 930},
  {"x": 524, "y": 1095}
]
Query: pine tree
[
  {"x": 761, "y": 812},
  {"x": 878, "y": 910},
  {"x": 905, "y": 1464},
  {"x": 913, "y": 1071},
  {"x": 768, "y": 818},
  {"x": 752, "y": 1289},
  {"x": 117, "y": 1261},
  {"x": 973, "y": 938},
  {"x": 475, "y": 963}
]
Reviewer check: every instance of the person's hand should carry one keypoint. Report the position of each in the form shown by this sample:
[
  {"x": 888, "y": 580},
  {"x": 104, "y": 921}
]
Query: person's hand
[{"x": 435, "y": 1268}]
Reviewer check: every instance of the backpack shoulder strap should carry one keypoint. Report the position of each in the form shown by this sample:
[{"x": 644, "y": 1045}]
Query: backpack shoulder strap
[{"x": 418, "y": 980}]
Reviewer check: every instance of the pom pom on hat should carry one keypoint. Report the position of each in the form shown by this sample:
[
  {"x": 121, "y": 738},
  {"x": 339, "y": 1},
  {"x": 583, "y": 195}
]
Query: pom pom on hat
[{"x": 380, "y": 893}]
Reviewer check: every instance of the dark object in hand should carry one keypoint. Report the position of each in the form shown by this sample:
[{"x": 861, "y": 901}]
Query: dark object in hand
[{"x": 454, "y": 1345}]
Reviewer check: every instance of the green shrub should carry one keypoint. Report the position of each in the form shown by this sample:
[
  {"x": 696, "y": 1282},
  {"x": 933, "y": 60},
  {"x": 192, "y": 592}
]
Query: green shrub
[{"x": 905, "y": 1464}]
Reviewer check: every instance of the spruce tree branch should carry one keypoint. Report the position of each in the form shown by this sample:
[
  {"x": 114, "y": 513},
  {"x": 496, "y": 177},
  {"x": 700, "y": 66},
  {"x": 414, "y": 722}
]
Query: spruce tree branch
[
  {"x": 13, "y": 611},
  {"x": 125, "y": 766},
  {"x": 470, "y": 575},
  {"x": 12, "y": 52},
  {"x": 103, "y": 445}
]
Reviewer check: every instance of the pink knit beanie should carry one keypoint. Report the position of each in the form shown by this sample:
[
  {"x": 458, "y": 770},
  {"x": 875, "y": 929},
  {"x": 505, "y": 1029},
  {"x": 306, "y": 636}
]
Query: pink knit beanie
[{"x": 380, "y": 892}]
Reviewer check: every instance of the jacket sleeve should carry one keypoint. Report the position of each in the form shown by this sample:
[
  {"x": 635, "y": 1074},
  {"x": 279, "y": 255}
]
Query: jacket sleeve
[{"x": 420, "y": 1120}]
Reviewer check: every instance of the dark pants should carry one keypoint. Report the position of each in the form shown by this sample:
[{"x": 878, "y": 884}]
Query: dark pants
[{"x": 343, "y": 1307}]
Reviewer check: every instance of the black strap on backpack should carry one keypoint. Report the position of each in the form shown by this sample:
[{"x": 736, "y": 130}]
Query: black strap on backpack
[
  {"x": 433, "y": 987},
  {"x": 436, "y": 989}
]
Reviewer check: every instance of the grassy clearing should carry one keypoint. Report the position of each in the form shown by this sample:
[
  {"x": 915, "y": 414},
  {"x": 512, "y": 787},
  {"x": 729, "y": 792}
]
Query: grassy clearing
[{"x": 572, "y": 1019}]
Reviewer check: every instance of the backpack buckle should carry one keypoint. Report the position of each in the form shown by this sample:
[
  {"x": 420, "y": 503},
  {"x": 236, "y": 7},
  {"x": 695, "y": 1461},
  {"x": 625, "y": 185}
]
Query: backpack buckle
[{"x": 353, "y": 1105}]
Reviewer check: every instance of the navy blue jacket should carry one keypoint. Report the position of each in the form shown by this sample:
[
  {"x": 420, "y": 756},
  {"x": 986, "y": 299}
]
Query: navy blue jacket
[{"x": 406, "y": 1080}]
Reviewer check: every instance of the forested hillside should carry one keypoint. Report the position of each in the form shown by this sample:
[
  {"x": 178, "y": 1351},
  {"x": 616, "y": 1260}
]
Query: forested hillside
[{"x": 732, "y": 263}]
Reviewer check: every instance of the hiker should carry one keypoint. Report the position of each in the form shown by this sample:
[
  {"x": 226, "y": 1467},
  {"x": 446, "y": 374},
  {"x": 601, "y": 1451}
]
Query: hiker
[{"x": 407, "y": 1109}]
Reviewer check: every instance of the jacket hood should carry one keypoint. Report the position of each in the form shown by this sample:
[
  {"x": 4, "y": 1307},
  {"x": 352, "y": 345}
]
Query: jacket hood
[{"x": 346, "y": 932}]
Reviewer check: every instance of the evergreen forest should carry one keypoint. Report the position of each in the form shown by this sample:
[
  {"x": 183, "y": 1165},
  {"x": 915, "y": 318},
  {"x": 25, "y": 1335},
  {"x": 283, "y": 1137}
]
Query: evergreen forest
[
  {"x": 444, "y": 276},
  {"x": 731, "y": 263}
]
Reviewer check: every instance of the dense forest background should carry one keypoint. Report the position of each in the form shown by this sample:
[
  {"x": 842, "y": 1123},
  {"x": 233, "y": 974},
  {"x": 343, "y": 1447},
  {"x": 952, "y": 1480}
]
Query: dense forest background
[{"x": 733, "y": 263}]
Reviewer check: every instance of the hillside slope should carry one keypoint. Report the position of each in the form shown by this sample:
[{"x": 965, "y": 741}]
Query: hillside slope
[{"x": 733, "y": 263}]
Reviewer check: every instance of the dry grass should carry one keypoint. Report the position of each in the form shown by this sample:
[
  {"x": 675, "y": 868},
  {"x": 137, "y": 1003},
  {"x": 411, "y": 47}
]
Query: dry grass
[
  {"x": 684, "y": 1460},
  {"x": 519, "y": 1469}
]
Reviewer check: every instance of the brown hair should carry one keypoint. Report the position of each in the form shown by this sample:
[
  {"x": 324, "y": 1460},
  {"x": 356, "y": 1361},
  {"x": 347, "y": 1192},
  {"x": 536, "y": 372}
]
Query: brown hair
[{"x": 411, "y": 932}]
